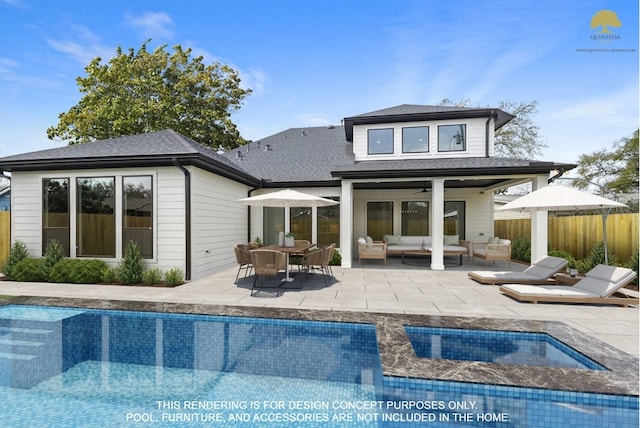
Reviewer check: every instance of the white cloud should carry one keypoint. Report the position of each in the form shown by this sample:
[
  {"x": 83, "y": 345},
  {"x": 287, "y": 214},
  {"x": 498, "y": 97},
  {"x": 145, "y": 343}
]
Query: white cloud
[
  {"x": 82, "y": 46},
  {"x": 153, "y": 24},
  {"x": 255, "y": 80},
  {"x": 313, "y": 119},
  {"x": 616, "y": 108}
]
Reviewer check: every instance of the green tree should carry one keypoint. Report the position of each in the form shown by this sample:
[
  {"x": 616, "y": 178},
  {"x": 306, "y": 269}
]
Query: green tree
[
  {"x": 520, "y": 137},
  {"x": 141, "y": 91},
  {"x": 615, "y": 169}
]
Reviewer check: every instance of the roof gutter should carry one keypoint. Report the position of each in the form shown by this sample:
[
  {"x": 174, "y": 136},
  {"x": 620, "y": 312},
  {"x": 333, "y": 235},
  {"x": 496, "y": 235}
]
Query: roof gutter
[
  {"x": 486, "y": 125},
  {"x": 187, "y": 217}
]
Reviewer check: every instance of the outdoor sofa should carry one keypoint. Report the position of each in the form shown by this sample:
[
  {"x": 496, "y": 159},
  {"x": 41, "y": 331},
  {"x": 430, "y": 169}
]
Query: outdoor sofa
[
  {"x": 540, "y": 272},
  {"x": 401, "y": 244},
  {"x": 598, "y": 286}
]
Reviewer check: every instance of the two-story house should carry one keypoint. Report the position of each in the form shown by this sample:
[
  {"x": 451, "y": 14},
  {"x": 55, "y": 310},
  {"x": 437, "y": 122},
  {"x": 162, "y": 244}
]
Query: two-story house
[{"x": 405, "y": 170}]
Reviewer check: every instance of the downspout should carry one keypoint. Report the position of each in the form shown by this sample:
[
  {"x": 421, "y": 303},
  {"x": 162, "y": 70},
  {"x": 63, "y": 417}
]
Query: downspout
[
  {"x": 187, "y": 215},
  {"x": 249, "y": 192},
  {"x": 486, "y": 127}
]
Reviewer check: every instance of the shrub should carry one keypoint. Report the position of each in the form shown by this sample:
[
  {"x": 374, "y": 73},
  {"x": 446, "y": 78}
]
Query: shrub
[
  {"x": 595, "y": 257},
  {"x": 17, "y": 253},
  {"x": 152, "y": 276},
  {"x": 565, "y": 255},
  {"x": 53, "y": 254},
  {"x": 30, "y": 270},
  {"x": 131, "y": 267},
  {"x": 336, "y": 259},
  {"x": 632, "y": 264},
  {"x": 174, "y": 277},
  {"x": 521, "y": 249},
  {"x": 78, "y": 271},
  {"x": 110, "y": 275}
]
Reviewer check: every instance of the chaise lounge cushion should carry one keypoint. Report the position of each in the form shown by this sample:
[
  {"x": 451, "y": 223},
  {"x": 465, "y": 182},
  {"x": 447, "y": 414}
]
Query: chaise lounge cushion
[{"x": 539, "y": 272}]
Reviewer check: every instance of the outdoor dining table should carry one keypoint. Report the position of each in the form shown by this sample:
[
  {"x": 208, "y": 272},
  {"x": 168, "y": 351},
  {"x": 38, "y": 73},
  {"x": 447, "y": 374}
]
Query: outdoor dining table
[{"x": 300, "y": 248}]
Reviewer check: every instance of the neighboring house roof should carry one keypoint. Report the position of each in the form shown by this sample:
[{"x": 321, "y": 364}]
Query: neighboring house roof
[
  {"x": 161, "y": 148},
  {"x": 414, "y": 113}
]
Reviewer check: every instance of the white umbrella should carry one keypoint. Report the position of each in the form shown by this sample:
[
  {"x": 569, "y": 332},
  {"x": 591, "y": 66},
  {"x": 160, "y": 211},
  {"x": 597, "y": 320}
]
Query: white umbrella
[
  {"x": 287, "y": 198},
  {"x": 563, "y": 198}
]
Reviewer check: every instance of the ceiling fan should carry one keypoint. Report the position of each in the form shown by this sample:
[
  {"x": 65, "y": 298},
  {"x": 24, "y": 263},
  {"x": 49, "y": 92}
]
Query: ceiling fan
[{"x": 424, "y": 189}]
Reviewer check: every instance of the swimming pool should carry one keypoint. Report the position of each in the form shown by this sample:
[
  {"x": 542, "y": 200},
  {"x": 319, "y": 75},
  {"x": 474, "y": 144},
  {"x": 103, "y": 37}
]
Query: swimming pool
[{"x": 63, "y": 367}]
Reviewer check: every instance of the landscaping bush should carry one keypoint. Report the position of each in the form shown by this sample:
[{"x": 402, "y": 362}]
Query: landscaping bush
[
  {"x": 152, "y": 276},
  {"x": 29, "y": 270},
  {"x": 53, "y": 254},
  {"x": 17, "y": 253},
  {"x": 336, "y": 259},
  {"x": 595, "y": 257},
  {"x": 174, "y": 277},
  {"x": 78, "y": 271},
  {"x": 131, "y": 267},
  {"x": 632, "y": 264},
  {"x": 521, "y": 249},
  {"x": 110, "y": 275},
  {"x": 565, "y": 255}
]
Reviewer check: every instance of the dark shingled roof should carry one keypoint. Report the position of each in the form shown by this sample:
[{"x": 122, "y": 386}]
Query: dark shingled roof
[
  {"x": 151, "y": 149},
  {"x": 296, "y": 155},
  {"x": 313, "y": 156}
]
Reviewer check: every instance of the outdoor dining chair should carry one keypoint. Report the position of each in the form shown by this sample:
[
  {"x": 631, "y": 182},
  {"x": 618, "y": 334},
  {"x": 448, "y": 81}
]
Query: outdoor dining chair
[
  {"x": 267, "y": 263},
  {"x": 243, "y": 258}
]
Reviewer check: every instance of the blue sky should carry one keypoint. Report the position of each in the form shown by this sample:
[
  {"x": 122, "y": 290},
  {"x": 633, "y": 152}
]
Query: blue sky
[{"x": 313, "y": 63}]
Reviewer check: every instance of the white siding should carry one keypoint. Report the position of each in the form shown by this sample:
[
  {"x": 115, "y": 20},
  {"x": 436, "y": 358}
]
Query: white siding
[
  {"x": 26, "y": 208},
  {"x": 170, "y": 220},
  {"x": 476, "y": 140},
  {"x": 218, "y": 222}
]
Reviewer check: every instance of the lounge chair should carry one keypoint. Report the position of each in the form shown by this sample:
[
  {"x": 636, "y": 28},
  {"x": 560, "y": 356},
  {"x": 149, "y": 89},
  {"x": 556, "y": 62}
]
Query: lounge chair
[
  {"x": 539, "y": 272},
  {"x": 598, "y": 287}
]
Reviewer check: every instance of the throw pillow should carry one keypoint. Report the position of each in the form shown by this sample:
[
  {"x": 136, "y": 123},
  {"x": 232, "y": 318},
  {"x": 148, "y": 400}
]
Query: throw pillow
[
  {"x": 369, "y": 239},
  {"x": 362, "y": 240},
  {"x": 393, "y": 239},
  {"x": 494, "y": 240}
]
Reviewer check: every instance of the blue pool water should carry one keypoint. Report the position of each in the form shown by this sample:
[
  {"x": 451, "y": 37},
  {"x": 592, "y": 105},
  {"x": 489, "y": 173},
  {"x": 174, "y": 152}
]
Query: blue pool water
[
  {"x": 507, "y": 347},
  {"x": 83, "y": 368}
]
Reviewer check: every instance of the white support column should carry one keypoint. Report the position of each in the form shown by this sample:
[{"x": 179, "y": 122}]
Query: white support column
[
  {"x": 346, "y": 223},
  {"x": 539, "y": 225},
  {"x": 437, "y": 224}
]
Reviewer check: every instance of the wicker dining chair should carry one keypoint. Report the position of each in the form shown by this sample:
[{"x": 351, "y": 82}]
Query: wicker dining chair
[
  {"x": 267, "y": 263},
  {"x": 319, "y": 260},
  {"x": 243, "y": 258}
]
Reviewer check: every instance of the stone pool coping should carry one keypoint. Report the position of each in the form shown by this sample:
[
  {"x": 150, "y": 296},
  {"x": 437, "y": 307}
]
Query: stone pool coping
[{"x": 398, "y": 357}]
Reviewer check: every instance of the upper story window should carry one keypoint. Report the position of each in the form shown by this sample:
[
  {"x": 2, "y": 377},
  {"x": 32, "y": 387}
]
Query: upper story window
[
  {"x": 415, "y": 139},
  {"x": 380, "y": 141},
  {"x": 452, "y": 138}
]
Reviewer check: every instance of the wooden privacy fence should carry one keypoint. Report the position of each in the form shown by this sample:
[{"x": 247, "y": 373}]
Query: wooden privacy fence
[
  {"x": 5, "y": 234},
  {"x": 578, "y": 234}
]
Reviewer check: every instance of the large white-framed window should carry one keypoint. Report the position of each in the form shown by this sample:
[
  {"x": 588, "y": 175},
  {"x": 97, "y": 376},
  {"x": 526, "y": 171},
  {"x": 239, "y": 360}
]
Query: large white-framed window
[
  {"x": 137, "y": 213},
  {"x": 95, "y": 217},
  {"x": 380, "y": 141},
  {"x": 452, "y": 138},
  {"x": 379, "y": 219},
  {"x": 104, "y": 210},
  {"x": 56, "y": 218},
  {"x": 414, "y": 218}
]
